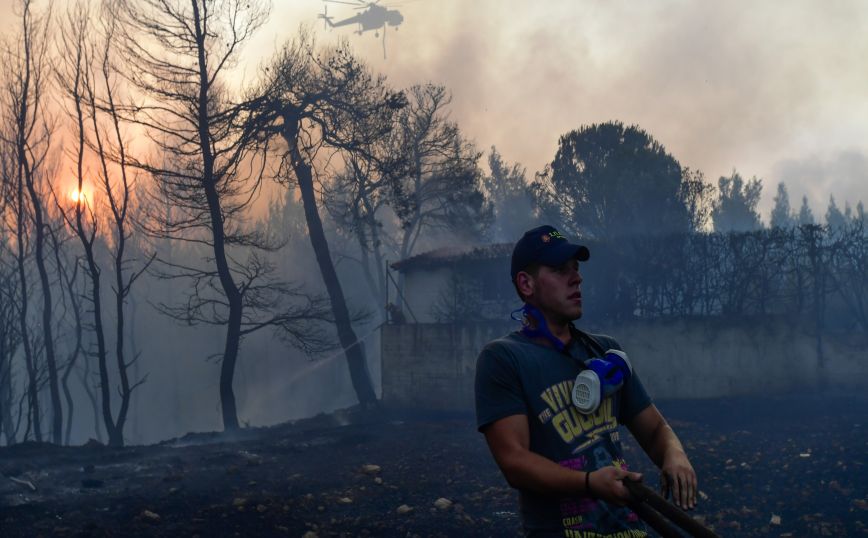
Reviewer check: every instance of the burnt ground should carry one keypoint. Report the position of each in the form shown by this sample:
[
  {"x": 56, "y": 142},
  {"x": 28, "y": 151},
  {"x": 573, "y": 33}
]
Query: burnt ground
[{"x": 801, "y": 458}]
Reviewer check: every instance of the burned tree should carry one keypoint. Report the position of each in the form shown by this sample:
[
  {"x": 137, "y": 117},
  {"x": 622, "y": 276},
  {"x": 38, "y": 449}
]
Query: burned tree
[
  {"x": 423, "y": 176},
  {"x": 71, "y": 299},
  {"x": 27, "y": 130},
  {"x": 209, "y": 164},
  {"x": 10, "y": 340},
  {"x": 321, "y": 105},
  {"x": 442, "y": 189},
  {"x": 73, "y": 76},
  {"x": 357, "y": 199}
]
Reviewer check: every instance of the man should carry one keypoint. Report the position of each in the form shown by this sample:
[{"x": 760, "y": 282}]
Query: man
[{"x": 567, "y": 463}]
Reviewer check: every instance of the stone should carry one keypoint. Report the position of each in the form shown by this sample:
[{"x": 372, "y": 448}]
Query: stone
[
  {"x": 404, "y": 509},
  {"x": 152, "y": 517},
  {"x": 370, "y": 469},
  {"x": 443, "y": 503}
]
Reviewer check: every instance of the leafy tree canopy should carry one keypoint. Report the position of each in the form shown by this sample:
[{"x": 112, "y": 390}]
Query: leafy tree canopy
[
  {"x": 782, "y": 215},
  {"x": 806, "y": 216},
  {"x": 835, "y": 219},
  {"x": 512, "y": 202},
  {"x": 735, "y": 210},
  {"x": 610, "y": 180}
]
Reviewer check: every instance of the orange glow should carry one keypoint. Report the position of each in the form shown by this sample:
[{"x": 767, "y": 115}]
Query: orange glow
[{"x": 79, "y": 196}]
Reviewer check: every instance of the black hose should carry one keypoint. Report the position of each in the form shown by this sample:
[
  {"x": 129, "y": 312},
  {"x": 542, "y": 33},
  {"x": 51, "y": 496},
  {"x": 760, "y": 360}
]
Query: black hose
[
  {"x": 655, "y": 520},
  {"x": 645, "y": 495}
]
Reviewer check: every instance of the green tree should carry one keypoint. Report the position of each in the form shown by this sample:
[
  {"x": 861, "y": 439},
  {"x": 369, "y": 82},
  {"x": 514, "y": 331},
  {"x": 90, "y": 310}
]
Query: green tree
[
  {"x": 860, "y": 218},
  {"x": 697, "y": 197},
  {"x": 735, "y": 209},
  {"x": 806, "y": 216},
  {"x": 782, "y": 214},
  {"x": 608, "y": 180},
  {"x": 834, "y": 218},
  {"x": 510, "y": 197}
]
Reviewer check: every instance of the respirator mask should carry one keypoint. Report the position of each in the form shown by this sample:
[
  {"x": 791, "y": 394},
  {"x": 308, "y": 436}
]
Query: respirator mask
[{"x": 602, "y": 378}]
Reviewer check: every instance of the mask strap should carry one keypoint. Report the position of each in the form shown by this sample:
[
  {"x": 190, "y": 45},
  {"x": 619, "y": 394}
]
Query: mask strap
[{"x": 541, "y": 329}]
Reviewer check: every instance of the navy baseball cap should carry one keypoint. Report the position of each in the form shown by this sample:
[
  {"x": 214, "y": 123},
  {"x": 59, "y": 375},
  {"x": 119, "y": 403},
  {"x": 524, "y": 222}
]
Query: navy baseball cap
[{"x": 547, "y": 246}]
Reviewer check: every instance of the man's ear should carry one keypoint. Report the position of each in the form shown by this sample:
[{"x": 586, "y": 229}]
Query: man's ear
[{"x": 525, "y": 284}]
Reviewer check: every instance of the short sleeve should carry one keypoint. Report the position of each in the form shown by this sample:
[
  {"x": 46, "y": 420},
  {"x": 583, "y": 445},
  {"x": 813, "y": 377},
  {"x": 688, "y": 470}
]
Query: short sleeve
[
  {"x": 634, "y": 397},
  {"x": 498, "y": 388}
]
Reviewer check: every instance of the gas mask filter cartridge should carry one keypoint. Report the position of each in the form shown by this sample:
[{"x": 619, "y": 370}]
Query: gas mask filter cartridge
[{"x": 602, "y": 378}]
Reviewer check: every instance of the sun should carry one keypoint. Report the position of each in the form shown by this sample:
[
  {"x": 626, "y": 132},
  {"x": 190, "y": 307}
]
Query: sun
[{"x": 77, "y": 196}]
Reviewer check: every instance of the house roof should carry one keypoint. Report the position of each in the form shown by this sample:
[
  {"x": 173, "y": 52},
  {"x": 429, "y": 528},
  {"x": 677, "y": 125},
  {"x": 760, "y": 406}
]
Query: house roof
[{"x": 450, "y": 255}]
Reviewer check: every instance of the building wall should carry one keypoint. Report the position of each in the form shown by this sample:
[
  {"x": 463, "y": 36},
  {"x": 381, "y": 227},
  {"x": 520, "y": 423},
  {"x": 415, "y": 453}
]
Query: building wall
[
  {"x": 422, "y": 290},
  {"x": 431, "y": 366}
]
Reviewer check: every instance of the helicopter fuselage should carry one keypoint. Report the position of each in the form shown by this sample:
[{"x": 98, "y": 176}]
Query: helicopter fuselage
[{"x": 374, "y": 18}]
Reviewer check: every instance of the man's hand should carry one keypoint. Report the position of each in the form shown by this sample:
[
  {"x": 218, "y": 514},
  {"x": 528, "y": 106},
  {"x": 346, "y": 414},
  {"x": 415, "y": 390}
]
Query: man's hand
[
  {"x": 665, "y": 450},
  {"x": 679, "y": 479},
  {"x": 607, "y": 484}
]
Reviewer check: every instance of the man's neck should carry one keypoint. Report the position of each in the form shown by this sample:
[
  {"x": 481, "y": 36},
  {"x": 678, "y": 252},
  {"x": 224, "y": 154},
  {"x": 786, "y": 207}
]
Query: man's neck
[
  {"x": 561, "y": 332},
  {"x": 559, "y": 329}
]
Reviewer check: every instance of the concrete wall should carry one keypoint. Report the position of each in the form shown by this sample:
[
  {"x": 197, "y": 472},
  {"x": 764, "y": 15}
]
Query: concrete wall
[
  {"x": 422, "y": 290},
  {"x": 431, "y": 366}
]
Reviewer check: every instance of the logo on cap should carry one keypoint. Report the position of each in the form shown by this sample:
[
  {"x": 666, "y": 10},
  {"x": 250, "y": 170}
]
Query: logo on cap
[{"x": 545, "y": 238}]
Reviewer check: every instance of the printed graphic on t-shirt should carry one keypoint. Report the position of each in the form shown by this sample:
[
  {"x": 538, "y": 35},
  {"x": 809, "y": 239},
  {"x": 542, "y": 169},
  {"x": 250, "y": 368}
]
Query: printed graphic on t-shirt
[
  {"x": 572, "y": 425},
  {"x": 580, "y": 515},
  {"x": 593, "y": 438}
]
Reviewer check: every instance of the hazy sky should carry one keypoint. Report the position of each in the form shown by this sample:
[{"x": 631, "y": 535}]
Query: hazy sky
[{"x": 774, "y": 89}]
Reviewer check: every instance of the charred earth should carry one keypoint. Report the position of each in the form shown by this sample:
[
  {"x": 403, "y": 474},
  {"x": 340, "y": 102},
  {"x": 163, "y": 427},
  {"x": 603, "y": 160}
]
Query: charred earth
[{"x": 790, "y": 465}]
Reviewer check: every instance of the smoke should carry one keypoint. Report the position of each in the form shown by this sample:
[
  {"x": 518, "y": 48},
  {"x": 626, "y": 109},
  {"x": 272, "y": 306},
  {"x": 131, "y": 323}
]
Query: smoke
[
  {"x": 843, "y": 175},
  {"x": 721, "y": 85}
]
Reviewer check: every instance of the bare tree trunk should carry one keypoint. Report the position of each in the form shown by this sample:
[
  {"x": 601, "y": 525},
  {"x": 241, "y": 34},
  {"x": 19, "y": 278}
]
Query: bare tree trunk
[
  {"x": 135, "y": 424},
  {"x": 233, "y": 294},
  {"x": 68, "y": 284},
  {"x": 354, "y": 351},
  {"x": 115, "y": 438},
  {"x": 6, "y": 423},
  {"x": 91, "y": 397},
  {"x": 24, "y": 99},
  {"x": 48, "y": 337},
  {"x": 29, "y": 359},
  {"x": 7, "y": 351},
  {"x": 376, "y": 291},
  {"x": 378, "y": 257}
]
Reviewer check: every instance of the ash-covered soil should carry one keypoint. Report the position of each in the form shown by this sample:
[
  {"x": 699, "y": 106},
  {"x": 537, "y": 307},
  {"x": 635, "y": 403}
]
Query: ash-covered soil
[{"x": 790, "y": 465}]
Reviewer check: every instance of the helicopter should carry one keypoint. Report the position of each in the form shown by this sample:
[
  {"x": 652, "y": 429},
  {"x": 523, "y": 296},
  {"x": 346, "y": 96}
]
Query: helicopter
[{"x": 374, "y": 17}]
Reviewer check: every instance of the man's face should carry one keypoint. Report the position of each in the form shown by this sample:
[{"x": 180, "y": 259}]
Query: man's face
[{"x": 557, "y": 292}]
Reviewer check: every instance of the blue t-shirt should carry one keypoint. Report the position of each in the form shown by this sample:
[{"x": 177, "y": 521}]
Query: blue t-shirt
[{"x": 517, "y": 376}]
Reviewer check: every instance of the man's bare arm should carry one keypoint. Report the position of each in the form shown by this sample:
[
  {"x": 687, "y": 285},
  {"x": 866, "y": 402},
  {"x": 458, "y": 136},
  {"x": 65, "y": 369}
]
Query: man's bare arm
[
  {"x": 509, "y": 441},
  {"x": 659, "y": 441}
]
